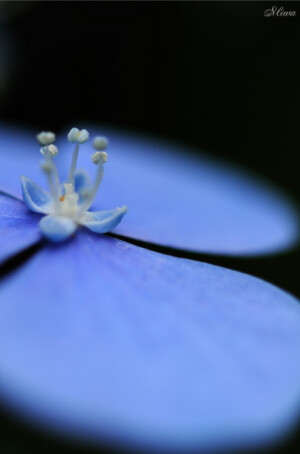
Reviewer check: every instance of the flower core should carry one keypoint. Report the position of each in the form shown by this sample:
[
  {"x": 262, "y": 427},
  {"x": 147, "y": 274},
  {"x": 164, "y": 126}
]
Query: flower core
[{"x": 67, "y": 204}]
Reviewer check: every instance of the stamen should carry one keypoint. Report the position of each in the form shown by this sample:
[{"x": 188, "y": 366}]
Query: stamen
[
  {"x": 47, "y": 167},
  {"x": 49, "y": 152},
  {"x": 78, "y": 137},
  {"x": 73, "y": 164},
  {"x": 98, "y": 158},
  {"x": 65, "y": 201}
]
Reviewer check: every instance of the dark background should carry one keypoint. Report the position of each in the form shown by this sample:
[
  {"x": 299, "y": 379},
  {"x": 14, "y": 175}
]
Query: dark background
[{"x": 216, "y": 75}]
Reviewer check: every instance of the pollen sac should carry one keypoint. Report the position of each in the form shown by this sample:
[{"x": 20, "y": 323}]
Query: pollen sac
[
  {"x": 46, "y": 138},
  {"x": 77, "y": 136},
  {"x": 99, "y": 156},
  {"x": 50, "y": 150},
  {"x": 73, "y": 134},
  {"x": 100, "y": 143},
  {"x": 83, "y": 136}
]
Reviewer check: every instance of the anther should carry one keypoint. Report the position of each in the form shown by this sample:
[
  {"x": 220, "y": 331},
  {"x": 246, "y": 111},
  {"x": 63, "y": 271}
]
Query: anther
[
  {"x": 46, "y": 138},
  {"x": 99, "y": 156},
  {"x": 77, "y": 136},
  {"x": 100, "y": 143},
  {"x": 50, "y": 150}
]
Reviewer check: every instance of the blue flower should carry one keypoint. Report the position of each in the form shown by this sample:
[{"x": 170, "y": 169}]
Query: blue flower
[
  {"x": 105, "y": 339},
  {"x": 67, "y": 206}
]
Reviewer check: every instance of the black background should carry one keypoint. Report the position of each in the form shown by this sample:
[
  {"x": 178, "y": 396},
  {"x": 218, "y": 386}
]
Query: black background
[{"x": 216, "y": 75}]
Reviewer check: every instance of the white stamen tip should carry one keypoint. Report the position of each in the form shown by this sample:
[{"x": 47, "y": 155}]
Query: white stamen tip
[
  {"x": 100, "y": 143},
  {"x": 51, "y": 150},
  {"x": 76, "y": 136},
  {"x": 72, "y": 136},
  {"x": 99, "y": 156},
  {"x": 83, "y": 136},
  {"x": 46, "y": 138}
]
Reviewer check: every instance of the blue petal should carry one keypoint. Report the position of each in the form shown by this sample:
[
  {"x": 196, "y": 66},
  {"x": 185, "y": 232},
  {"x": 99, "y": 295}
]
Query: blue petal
[
  {"x": 57, "y": 228},
  {"x": 105, "y": 339},
  {"x": 83, "y": 184},
  {"x": 18, "y": 227},
  {"x": 194, "y": 204},
  {"x": 103, "y": 221},
  {"x": 173, "y": 199},
  {"x": 35, "y": 197},
  {"x": 82, "y": 181}
]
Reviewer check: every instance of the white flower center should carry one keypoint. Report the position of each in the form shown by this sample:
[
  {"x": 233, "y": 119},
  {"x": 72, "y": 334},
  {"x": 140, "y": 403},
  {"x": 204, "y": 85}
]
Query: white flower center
[{"x": 66, "y": 201}]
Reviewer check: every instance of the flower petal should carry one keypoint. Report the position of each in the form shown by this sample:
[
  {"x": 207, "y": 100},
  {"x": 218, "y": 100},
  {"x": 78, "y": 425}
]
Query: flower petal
[
  {"x": 173, "y": 199},
  {"x": 83, "y": 184},
  {"x": 82, "y": 180},
  {"x": 106, "y": 339},
  {"x": 57, "y": 228},
  {"x": 103, "y": 221},
  {"x": 18, "y": 227},
  {"x": 194, "y": 204},
  {"x": 35, "y": 197}
]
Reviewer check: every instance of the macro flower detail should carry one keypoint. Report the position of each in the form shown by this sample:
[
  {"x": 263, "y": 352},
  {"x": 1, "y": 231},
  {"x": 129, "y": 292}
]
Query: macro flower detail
[
  {"x": 110, "y": 341},
  {"x": 67, "y": 206}
]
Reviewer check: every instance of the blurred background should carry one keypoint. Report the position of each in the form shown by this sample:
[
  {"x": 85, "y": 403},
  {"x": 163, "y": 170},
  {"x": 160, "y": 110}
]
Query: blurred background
[{"x": 219, "y": 76}]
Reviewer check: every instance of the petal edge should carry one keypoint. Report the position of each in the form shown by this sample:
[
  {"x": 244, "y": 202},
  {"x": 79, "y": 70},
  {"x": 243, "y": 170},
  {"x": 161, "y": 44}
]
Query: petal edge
[
  {"x": 35, "y": 197},
  {"x": 57, "y": 228},
  {"x": 103, "y": 221}
]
